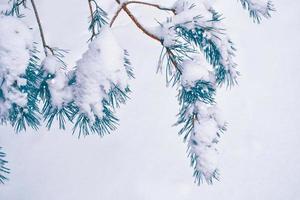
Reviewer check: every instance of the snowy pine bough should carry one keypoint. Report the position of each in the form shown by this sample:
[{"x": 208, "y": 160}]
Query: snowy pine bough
[{"x": 197, "y": 57}]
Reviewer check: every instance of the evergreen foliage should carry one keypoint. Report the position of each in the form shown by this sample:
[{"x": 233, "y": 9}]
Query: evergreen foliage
[
  {"x": 65, "y": 112},
  {"x": 3, "y": 169},
  {"x": 21, "y": 117},
  {"x": 98, "y": 19},
  {"x": 183, "y": 36},
  {"x": 15, "y": 8},
  {"x": 197, "y": 57},
  {"x": 258, "y": 10}
]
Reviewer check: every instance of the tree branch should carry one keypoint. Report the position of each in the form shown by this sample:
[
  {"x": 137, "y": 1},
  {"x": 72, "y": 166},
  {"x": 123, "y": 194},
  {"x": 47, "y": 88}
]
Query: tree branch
[
  {"x": 91, "y": 13},
  {"x": 152, "y": 5},
  {"x": 45, "y": 46},
  {"x": 140, "y": 26},
  {"x": 173, "y": 61},
  {"x": 136, "y": 22},
  {"x": 115, "y": 16},
  {"x": 142, "y": 3}
]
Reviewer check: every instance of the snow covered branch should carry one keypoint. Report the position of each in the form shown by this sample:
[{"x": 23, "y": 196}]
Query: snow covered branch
[
  {"x": 197, "y": 57},
  {"x": 17, "y": 74},
  {"x": 107, "y": 83},
  {"x": 123, "y": 6},
  {"x": 258, "y": 8}
]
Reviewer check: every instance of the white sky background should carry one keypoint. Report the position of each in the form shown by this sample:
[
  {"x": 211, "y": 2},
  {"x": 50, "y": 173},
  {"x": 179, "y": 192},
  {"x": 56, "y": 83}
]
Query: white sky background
[{"x": 145, "y": 159}]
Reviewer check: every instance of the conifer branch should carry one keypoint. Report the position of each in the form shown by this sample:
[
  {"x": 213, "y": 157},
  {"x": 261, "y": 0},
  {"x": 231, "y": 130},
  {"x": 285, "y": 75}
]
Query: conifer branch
[
  {"x": 133, "y": 18},
  {"x": 139, "y": 25},
  {"x": 173, "y": 61},
  {"x": 91, "y": 13},
  {"x": 41, "y": 29},
  {"x": 115, "y": 16},
  {"x": 142, "y": 3},
  {"x": 151, "y": 4}
]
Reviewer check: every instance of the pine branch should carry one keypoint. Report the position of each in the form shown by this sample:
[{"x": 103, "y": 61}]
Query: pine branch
[
  {"x": 258, "y": 9},
  {"x": 98, "y": 18},
  {"x": 15, "y": 10},
  {"x": 152, "y": 5},
  {"x": 141, "y": 3},
  {"x": 137, "y": 23},
  {"x": 173, "y": 61},
  {"x": 115, "y": 16},
  {"x": 141, "y": 27},
  {"x": 197, "y": 78},
  {"x": 45, "y": 46},
  {"x": 91, "y": 13}
]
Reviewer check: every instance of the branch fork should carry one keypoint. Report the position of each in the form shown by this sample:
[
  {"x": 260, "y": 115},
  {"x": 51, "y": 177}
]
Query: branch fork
[{"x": 45, "y": 45}]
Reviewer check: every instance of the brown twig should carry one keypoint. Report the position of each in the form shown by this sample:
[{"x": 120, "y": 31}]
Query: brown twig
[
  {"x": 91, "y": 7},
  {"x": 142, "y": 3},
  {"x": 140, "y": 26},
  {"x": 115, "y": 16},
  {"x": 136, "y": 22},
  {"x": 91, "y": 13},
  {"x": 151, "y": 4},
  {"x": 45, "y": 46}
]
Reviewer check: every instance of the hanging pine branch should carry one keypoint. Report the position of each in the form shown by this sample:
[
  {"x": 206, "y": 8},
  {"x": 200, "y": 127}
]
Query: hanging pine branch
[{"x": 107, "y": 81}]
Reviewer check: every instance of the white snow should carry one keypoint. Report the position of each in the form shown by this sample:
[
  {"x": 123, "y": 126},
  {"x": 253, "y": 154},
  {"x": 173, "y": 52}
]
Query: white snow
[
  {"x": 15, "y": 44},
  {"x": 194, "y": 7},
  {"x": 204, "y": 137},
  {"x": 195, "y": 14},
  {"x": 60, "y": 92},
  {"x": 208, "y": 111},
  {"x": 207, "y": 160},
  {"x": 195, "y": 70},
  {"x": 205, "y": 131},
  {"x": 188, "y": 14},
  {"x": 100, "y": 69}
]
